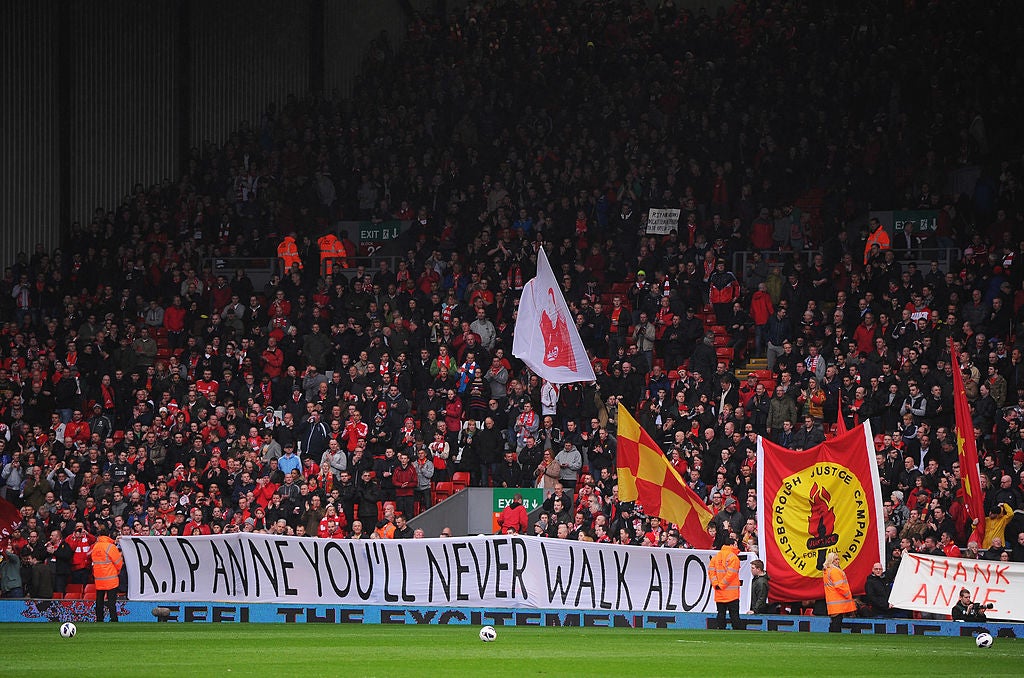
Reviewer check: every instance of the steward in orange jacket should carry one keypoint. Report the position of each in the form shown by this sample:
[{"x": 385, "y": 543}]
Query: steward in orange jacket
[
  {"x": 724, "y": 573},
  {"x": 332, "y": 253},
  {"x": 288, "y": 253},
  {"x": 838, "y": 598},
  {"x": 878, "y": 236},
  {"x": 107, "y": 562}
]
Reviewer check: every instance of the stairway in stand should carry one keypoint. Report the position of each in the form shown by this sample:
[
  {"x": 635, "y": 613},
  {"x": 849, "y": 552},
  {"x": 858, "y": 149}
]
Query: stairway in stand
[{"x": 752, "y": 365}]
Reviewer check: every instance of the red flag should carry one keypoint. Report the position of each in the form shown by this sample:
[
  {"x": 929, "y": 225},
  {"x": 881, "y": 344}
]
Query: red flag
[
  {"x": 970, "y": 476},
  {"x": 646, "y": 477},
  {"x": 841, "y": 421},
  {"x": 10, "y": 521},
  {"x": 827, "y": 498}
]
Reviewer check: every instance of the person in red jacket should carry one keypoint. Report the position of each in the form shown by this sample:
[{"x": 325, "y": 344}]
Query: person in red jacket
[
  {"x": 77, "y": 431},
  {"x": 272, "y": 359},
  {"x": 174, "y": 323},
  {"x": 81, "y": 543},
  {"x": 195, "y": 523},
  {"x": 404, "y": 479},
  {"x": 761, "y": 231},
  {"x": 265, "y": 489},
  {"x": 514, "y": 517},
  {"x": 723, "y": 289},
  {"x": 761, "y": 310},
  {"x": 866, "y": 333}
]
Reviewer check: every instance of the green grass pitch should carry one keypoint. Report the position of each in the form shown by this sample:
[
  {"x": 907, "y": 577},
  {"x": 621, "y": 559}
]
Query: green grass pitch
[{"x": 387, "y": 651}]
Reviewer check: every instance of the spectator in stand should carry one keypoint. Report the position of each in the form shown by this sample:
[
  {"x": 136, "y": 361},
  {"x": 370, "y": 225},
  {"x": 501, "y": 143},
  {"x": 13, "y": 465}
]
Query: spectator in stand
[
  {"x": 405, "y": 479},
  {"x": 514, "y": 517},
  {"x": 876, "y": 593}
]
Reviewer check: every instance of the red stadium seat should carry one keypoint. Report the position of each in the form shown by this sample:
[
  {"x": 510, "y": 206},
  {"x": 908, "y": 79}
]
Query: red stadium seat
[
  {"x": 460, "y": 480},
  {"x": 442, "y": 490}
]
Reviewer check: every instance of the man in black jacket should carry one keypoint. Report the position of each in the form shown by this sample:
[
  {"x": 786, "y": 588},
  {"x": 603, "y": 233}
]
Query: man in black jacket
[
  {"x": 559, "y": 493},
  {"x": 704, "y": 360},
  {"x": 966, "y": 610},
  {"x": 509, "y": 473},
  {"x": 876, "y": 593},
  {"x": 368, "y": 496},
  {"x": 489, "y": 444}
]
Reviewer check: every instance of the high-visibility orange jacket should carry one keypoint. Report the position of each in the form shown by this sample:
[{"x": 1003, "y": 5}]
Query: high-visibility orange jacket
[
  {"x": 106, "y": 563},
  {"x": 288, "y": 253},
  {"x": 879, "y": 237},
  {"x": 332, "y": 252},
  {"x": 385, "y": 531},
  {"x": 724, "y": 573},
  {"x": 838, "y": 598}
]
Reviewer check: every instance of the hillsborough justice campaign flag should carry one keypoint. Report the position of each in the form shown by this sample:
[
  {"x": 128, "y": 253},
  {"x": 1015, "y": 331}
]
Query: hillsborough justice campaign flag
[
  {"x": 814, "y": 501},
  {"x": 646, "y": 477},
  {"x": 10, "y": 521},
  {"x": 970, "y": 478},
  {"x": 545, "y": 337}
]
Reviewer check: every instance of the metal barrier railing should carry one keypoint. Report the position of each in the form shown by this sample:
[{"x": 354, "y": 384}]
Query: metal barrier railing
[
  {"x": 921, "y": 256},
  {"x": 261, "y": 269}
]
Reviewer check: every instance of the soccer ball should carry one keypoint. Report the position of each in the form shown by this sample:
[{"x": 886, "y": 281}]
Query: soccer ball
[
  {"x": 983, "y": 639},
  {"x": 488, "y": 634},
  {"x": 68, "y": 630}
]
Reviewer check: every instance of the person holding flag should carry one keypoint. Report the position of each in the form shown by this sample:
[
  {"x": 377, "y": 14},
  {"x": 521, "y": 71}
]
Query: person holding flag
[{"x": 970, "y": 476}]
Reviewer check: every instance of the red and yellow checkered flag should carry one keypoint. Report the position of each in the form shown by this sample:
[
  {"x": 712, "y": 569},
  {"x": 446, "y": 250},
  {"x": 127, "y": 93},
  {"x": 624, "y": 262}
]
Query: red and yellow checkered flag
[{"x": 646, "y": 477}]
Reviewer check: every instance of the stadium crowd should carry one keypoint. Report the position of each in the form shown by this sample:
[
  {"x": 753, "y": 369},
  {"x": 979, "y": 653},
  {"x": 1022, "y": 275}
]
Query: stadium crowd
[{"x": 143, "y": 392}]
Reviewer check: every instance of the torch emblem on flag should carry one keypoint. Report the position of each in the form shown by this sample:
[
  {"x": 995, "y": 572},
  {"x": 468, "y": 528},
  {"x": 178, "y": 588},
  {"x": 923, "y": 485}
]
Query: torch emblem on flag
[{"x": 821, "y": 524}]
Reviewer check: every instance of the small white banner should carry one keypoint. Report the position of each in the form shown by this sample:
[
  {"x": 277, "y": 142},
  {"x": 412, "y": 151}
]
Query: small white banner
[
  {"x": 485, "y": 571},
  {"x": 932, "y": 584},
  {"x": 662, "y": 221}
]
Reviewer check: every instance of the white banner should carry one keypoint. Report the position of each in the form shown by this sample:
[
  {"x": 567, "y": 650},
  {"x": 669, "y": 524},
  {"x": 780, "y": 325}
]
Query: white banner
[
  {"x": 662, "y": 221},
  {"x": 484, "y": 571},
  {"x": 933, "y": 583}
]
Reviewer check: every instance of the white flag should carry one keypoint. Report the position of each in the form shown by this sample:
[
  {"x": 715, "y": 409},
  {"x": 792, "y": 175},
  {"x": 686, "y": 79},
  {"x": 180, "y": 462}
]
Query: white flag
[{"x": 546, "y": 338}]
